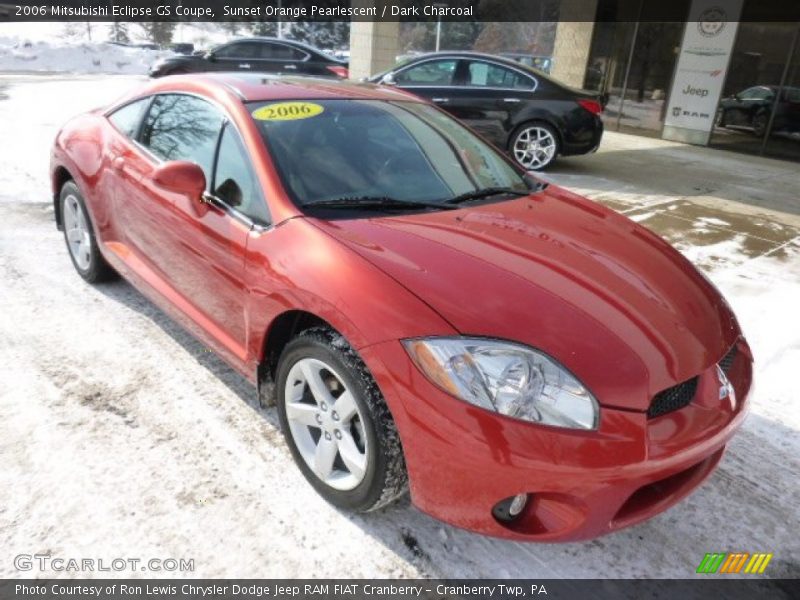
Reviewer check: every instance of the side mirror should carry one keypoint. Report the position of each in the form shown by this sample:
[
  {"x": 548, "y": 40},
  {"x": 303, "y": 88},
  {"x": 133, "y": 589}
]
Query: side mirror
[
  {"x": 209, "y": 56},
  {"x": 181, "y": 177},
  {"x": 388, "y": 79}
]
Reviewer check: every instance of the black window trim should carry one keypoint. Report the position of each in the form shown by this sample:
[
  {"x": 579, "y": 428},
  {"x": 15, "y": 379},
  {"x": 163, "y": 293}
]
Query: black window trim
[
  {"x": 463, "y": 59},
  {"x": 263, "y": 42}
]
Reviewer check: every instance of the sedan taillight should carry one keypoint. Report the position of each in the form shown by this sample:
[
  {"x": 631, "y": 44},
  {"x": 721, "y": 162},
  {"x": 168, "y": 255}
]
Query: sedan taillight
[
  {"x": 339, "y": 71},
  {"x": 593, "y": 106}
]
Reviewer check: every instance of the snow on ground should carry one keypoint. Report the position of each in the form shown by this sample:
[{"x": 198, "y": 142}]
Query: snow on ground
[
  {"x": 75, "y": 57},
  {"x": 121, "y": 436}
]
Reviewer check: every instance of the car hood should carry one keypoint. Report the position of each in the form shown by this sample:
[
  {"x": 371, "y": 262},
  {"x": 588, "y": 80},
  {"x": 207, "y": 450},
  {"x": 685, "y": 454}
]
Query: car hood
[{"x": 613, "y": 302}]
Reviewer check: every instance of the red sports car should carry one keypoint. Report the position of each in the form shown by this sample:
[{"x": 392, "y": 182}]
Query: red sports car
[{"x": 423, "y": 313}]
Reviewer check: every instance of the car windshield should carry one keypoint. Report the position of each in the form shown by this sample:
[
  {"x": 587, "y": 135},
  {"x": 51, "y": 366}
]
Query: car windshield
[{"x": 330, "y": 150}]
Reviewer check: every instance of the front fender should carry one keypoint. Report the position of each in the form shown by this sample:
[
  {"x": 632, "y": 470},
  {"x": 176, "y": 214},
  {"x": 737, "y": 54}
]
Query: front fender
[{"x": 297, "y": 266}]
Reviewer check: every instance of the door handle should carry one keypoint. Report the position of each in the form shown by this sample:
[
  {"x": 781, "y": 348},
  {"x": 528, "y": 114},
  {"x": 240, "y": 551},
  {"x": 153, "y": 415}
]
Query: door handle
[
  {"x": 440, "y": 100},
  {"x": 244, "y": 65},
  {"x": 290, "y": 67},
  {"x": 511, "y": 100}
]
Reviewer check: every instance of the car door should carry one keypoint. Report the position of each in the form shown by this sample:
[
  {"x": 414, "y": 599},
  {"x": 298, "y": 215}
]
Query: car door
[
  {"x": 237, "y": 56},
  {"x": 122, "y": 219},
  {"x": 432, "y": 79},
  {"x": 202, "y": 243},
  {"x": 139, "y": 209},
  {"x": 488, "y": 95}
]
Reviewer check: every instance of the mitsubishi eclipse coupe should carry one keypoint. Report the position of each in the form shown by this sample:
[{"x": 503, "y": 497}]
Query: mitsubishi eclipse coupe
[{"x": 423, "y": 313}]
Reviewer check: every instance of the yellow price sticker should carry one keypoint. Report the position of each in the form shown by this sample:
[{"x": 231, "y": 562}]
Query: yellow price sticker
[{"x": 287, "y": 111}]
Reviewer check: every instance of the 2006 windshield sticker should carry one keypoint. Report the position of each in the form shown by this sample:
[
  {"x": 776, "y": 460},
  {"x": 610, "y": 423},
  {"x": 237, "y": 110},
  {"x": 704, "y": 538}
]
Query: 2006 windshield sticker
[{"x": 287, "y": 111}]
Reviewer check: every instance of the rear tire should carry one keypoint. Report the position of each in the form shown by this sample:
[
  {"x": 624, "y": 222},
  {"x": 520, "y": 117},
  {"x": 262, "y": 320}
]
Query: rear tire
[
  {"x": 535, "y": 145},
  {"x": 336, "y": 423},
  {"x": 80, "y": 238}
]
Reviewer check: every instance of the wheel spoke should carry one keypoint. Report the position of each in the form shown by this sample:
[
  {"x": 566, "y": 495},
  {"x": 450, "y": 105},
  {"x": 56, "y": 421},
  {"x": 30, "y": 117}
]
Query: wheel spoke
[
  {"x": 318, "y": 388},
  {"x": 355, "y": 462},
  {"x": 75, "y": 235},
  {"x": 345, "y": 406},
  {"x": 302, "y": 413},
  {"x": 324, "y": 457}
]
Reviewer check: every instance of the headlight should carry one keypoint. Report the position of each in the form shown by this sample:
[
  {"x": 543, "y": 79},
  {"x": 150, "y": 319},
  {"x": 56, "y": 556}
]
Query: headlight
[{"x": 507, "y": 378}]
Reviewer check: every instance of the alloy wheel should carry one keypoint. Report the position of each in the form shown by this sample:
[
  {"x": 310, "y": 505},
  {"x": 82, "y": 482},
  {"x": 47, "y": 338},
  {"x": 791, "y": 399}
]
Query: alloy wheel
[
  {"x": 76, "y": 226},
  {"x": 535, "y": 147},
  {"x": 326, "y": 424}
]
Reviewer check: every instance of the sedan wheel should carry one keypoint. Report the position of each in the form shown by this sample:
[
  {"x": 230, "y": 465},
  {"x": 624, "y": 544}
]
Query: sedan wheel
[
  {"x": 336, "y": 422},
  {"x": 325, "y": 423},
  {"x": 535, "y": 146}
]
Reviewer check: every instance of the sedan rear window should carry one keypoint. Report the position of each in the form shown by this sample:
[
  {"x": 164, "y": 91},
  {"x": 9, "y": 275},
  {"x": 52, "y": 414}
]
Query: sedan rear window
[{"x": 332, "y": 149}]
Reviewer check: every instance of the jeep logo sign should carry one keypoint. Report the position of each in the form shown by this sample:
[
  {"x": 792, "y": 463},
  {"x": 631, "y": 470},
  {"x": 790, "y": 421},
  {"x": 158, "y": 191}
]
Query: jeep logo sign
[
  {"x": 693, "y": 91},
  {"x": 700, "y": 72}
]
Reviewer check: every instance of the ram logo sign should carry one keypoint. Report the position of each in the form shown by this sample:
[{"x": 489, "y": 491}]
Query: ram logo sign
[{"x": 734, "y": 562}]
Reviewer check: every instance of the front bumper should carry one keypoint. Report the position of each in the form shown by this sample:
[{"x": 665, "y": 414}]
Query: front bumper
[{"x": 463, "y": 460}]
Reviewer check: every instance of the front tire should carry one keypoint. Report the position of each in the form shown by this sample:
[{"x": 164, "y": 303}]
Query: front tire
[
  {"x": 337, "y": 425},
  {"x": 535, "y": 145},
  {"x": 760, "y": 122},
  {"x": 80, "y": 238}
]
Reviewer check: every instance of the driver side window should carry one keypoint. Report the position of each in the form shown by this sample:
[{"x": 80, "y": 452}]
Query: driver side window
[{"x": 235, "y": 182}]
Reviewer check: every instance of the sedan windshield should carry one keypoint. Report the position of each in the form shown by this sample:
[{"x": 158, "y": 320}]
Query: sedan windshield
[{"x": 377, "y": 153}]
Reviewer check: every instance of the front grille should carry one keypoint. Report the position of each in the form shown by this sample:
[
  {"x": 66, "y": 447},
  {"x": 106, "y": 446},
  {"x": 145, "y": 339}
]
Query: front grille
[
  {"x": 672, "y": 398},
  {"x": 727, "y": 361}
]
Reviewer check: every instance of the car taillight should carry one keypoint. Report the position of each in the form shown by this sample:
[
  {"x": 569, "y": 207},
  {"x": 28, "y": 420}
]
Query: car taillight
[
  {"x": 339, "y": 71},
  {"x": 593, "y": 106}
]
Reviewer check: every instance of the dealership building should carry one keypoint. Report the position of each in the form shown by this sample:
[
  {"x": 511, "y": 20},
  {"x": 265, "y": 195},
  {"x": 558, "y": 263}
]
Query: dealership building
[{"x": 718, "y": 73}]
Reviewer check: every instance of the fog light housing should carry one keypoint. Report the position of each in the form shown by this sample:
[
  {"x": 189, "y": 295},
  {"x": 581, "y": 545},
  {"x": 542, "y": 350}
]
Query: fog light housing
[{"x": 509, "y": 509}]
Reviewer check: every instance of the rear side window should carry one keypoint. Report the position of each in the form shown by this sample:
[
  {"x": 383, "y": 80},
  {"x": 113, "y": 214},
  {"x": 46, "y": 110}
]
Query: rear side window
[
  {"x": 483, "y": 74},
  {"x": 235, "y": 182},
  {"x": 433, "y": 72},
  {"x": 180, "y": 127},
  {"x": 281, "y": 52},
  {"x": 239, "y": 50},
  {"x": 127, "y": 118}
]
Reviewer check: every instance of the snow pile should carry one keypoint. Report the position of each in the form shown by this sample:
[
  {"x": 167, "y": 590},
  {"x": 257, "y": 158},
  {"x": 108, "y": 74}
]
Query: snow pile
[{"x": 75, "y": 57}]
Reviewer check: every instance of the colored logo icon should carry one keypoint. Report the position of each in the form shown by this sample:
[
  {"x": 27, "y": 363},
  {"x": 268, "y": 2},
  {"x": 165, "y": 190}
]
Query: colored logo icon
[{"x": 734, "y": 562}]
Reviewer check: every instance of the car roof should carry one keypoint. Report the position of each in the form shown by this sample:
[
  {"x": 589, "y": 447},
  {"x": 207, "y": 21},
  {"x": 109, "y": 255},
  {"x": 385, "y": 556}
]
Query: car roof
[
  {"x": 264, "y": 38},
  {"x": 256, "y": 87}
]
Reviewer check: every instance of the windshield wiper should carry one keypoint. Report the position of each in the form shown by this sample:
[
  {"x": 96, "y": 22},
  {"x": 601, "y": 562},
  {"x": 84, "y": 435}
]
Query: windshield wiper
[
  {"x": 485, "y": 193},
  {"x": 376, "y": 202}
]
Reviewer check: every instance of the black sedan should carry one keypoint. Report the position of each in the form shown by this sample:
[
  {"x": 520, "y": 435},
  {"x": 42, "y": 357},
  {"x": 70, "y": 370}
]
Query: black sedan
[
  {"x": 519, "y": 109},
  {"x": 751, "y": 107},
  {"x": 258, "y": 54}
]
